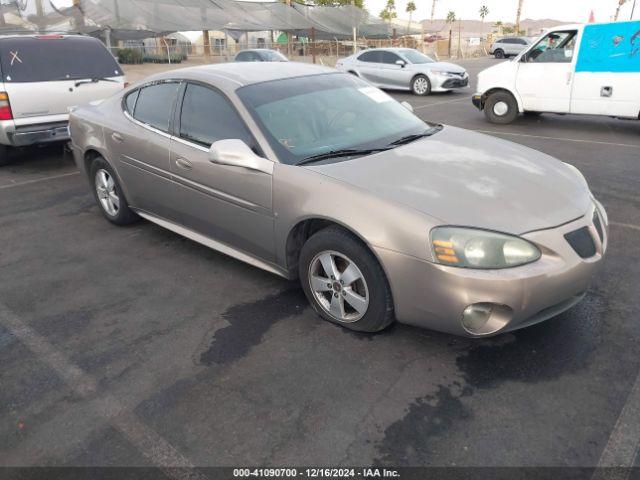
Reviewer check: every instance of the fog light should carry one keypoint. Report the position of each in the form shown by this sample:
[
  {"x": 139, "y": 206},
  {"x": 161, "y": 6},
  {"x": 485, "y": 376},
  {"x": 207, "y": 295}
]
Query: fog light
[{"x": 486, "y": 318}]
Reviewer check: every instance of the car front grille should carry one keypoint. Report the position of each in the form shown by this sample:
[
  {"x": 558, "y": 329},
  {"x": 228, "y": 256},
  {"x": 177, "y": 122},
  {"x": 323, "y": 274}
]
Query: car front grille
[
  {"x": 456, "y": 83},
  {"x": 582, "y": 242}
]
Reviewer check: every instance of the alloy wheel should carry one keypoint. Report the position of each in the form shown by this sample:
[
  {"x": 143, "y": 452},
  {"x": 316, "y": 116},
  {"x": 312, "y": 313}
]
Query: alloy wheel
[
  {"x": 106, "y": 191},
  {"x": 339, "y": 286},
  {"x": 421, "y": 86}
]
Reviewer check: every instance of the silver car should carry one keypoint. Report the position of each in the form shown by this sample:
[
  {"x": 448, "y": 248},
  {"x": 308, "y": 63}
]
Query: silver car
[
  {"x": 509, "y": 46},
  {"x": 314, "y": 174},
  {"x": 260, "y": 55},
  {"x": 405, "y": 69}
]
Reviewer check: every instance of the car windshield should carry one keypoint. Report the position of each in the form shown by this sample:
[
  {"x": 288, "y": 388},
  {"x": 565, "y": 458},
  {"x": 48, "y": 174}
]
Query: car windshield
[
  {"x": 308, "y": 116},
  {"x": 43, "y": 59},
  {"x": 271, "y": 56},
  {"x": 416, "y": 57}
]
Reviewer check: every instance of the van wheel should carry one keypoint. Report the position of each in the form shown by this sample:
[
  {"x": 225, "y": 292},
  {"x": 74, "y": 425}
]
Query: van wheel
[
  {"x": 501, "y": 108},
  {"x": 421, "y": 85},
  {"x": 5, "y": 155},
  {"x": 498, "y": 53},
  {"x": 344, "y": 281},
  {"x": 109, "y": 194}
]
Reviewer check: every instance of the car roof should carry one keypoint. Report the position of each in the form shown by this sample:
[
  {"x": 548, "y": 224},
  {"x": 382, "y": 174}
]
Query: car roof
[
  {"x": 258, "y": 50},
  {"x": 231, "y": 76},
  {"x": 42, "y": 35}
]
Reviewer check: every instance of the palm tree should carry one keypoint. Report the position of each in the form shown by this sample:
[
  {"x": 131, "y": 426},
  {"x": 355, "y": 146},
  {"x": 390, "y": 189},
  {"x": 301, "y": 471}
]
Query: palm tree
[
  {"x": 518, "y": 14},
  {"x": 484, "y": 11},
  {"x": 620, "y": 4},
  {"x": 411, "y": 7},
  {"x": 433, "y": 10},
  {"x": 389, "y": 12},
  {"x": 498, "y": 27},
  {"x": 451, "y": 17}
]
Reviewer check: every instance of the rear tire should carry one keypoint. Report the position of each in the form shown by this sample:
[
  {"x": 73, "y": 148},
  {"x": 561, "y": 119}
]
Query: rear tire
[
  {"x": 499, "y": 54},
  {"x": 109, "y": 194},
  {"x": 5, "y": 155},
  {"x": 421, "y": 85},
  {"x": 344, "y": 282},
  {"x": 501, "y": 108}
]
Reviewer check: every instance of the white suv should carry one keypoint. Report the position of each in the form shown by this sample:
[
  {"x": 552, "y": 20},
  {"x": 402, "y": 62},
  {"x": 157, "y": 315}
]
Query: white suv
[
  {"x": 510, "y": 46},
  {"x": 42, "y": 77}
]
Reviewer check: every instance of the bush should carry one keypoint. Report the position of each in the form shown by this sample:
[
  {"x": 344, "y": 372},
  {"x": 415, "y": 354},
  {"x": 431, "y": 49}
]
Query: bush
[
  {"x": 159, "y": 58},
  {"x": 129, "y": 56}
]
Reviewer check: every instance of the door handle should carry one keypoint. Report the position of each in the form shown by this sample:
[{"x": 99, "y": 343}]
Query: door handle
[
  {"x": 569, "y": 77},
  {"x": 117, "y": 137},
  {"x": 184, "y": 163}
]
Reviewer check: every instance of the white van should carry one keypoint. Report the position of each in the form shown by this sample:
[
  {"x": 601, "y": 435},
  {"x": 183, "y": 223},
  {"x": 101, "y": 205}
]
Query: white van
[
  {"x": 583, "y": 69},
  {"x": 42, "y": 77}
]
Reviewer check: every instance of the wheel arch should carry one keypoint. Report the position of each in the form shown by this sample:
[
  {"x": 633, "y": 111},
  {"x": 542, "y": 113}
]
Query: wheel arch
[
  {"x": 304, "y": 229},
  {"x": 493, "y": 90}
]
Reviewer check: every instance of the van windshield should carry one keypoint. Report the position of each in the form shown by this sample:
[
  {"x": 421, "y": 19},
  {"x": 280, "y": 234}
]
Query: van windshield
[{"x": 33, "y": 59}]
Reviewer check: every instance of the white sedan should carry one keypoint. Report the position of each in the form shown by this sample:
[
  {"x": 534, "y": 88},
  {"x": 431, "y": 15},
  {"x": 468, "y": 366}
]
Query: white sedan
[{"x": 405, "y": 69}]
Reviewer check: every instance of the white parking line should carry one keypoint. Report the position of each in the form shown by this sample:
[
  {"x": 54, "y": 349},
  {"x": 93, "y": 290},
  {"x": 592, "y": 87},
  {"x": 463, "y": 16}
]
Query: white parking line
[
  {"x": 146, "y": 440},
  {"x": 576, "y": 140},
  {"x": 426, "y": 105},
  {"x": 626, "y": 225},
  {"x": 624, "y": 441},
  {"x": 38, "y": 180}
]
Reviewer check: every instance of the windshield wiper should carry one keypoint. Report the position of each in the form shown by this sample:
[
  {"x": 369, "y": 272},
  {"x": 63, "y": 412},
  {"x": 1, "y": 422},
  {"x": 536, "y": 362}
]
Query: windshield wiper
[
  {"x": 95, "y": 80},
  {"x": 417, "y": 136},
  {"x": 346, "y": 152}
]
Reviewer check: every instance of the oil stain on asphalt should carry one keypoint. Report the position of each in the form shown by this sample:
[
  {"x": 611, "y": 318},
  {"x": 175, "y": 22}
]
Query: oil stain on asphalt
[
  {"x": 545, "y": 352},
  {"x": 248, "y": 322}
]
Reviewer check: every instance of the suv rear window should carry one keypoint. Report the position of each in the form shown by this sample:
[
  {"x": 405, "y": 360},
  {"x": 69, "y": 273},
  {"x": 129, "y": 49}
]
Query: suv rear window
[{"x": 33, "y": 59}]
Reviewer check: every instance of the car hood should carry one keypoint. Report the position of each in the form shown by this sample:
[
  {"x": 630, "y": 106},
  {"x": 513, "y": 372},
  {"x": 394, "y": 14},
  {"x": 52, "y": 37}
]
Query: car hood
[
  {"x": 467, "y": 179},
  {"x": 445, "y": 66}
]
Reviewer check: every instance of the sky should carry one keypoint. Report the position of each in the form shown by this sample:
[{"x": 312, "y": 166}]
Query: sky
[{"x": 505, "y": 10}]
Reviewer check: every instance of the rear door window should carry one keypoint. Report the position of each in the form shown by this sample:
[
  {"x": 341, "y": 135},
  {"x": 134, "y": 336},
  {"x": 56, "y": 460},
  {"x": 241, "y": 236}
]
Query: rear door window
[
  {"x": 54, "y": 57},
  {"x": 371, "y": 57},
  {"x": 155, "y": 105}
]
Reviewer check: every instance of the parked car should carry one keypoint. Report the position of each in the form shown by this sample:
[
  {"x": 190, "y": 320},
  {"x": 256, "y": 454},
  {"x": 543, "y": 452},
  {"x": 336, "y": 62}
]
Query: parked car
[
  {"x": 44, "y": 75},
  {"x": 509, "y": 46},
  {"x": 584, "y": 69},
  {"x": 405, "y": 69},
  {"x": 260, "y": 55},
  {"x": 314, "y": 174}
]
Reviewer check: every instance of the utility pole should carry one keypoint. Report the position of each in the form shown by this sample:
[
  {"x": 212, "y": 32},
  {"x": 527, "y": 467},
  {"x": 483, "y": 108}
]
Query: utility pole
[
  {"x": 518, "y": 14},
  {"x": 78, "y": 16},
  {"x": 433, "y": 10},
  {"x": 355, "y": 31},
  {"x": 633, "y": 9}
]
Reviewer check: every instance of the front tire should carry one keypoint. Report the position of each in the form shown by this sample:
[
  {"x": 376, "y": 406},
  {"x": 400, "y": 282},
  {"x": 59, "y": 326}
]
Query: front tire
[
  {"x": 344, "y": 282},
  {"x": 109, "y": 194},
  {"x": 421, "y": 85},
  {"x": 501, "y": 108}
]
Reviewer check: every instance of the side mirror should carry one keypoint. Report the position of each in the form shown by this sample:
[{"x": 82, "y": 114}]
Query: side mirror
[
  {"x": 402, "y": 63},
  {"x": 236, "y": 153},
  {"x": 407, "y": 105}
]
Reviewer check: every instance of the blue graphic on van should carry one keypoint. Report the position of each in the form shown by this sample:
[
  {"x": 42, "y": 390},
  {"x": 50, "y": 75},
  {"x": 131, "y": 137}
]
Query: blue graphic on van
[{"x": 611, "y": 47}]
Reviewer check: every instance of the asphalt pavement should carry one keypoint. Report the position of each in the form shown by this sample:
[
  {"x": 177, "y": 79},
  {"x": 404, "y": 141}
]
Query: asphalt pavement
[{"x": 134, "y": 346}]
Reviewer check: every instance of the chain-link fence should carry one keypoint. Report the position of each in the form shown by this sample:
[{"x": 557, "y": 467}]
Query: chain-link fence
[{"x": 321, "y": 52}]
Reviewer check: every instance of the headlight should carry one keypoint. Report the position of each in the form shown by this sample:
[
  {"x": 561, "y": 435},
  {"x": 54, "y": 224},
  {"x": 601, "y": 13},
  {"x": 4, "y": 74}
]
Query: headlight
[
  {"x": 442, "y": 73},
  {"x": 470, "y": 248}
]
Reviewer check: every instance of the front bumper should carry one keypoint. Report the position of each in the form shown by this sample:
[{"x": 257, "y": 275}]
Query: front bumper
[
  {"x": 434, "y": 296},
  {"x": 478, "y": 101},
  {"x": 441, "y": 83}
]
